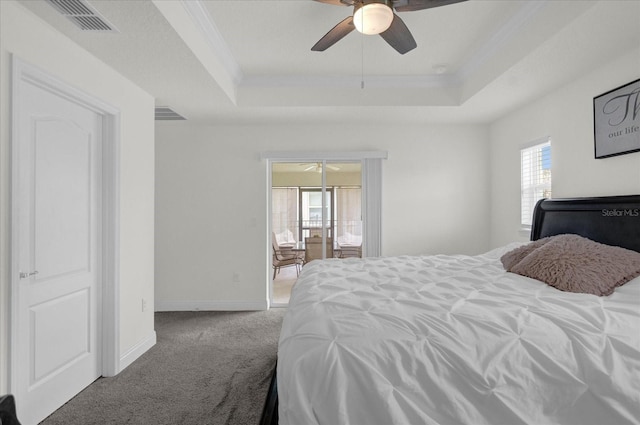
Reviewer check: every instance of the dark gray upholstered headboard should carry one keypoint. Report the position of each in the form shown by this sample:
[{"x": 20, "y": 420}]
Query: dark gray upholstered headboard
[{"x": 611, "y": 220}]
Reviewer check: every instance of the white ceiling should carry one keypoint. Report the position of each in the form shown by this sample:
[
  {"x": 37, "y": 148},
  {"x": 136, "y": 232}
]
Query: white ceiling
[{"x": 249, "y": 61}]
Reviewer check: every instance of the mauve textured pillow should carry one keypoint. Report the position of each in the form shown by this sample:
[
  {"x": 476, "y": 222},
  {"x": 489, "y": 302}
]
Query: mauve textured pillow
[
  {"x": 514, "y": 256},
  {"x": 575, "y": 264}
]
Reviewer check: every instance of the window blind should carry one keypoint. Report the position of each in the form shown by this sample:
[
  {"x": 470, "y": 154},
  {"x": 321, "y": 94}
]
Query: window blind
[{"x": 535, "y": 178}]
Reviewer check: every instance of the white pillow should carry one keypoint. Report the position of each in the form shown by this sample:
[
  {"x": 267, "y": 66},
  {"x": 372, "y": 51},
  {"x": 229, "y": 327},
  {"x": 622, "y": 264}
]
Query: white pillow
[
  {"x": 285, "y": 238},
  {"x": 350, "y": 239}
]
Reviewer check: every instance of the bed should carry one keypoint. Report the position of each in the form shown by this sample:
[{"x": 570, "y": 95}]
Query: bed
[{"x": 459, "y": 340}]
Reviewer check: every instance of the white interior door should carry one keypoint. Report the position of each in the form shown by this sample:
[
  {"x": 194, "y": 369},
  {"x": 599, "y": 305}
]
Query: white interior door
[{"x": 59, "y": 239}]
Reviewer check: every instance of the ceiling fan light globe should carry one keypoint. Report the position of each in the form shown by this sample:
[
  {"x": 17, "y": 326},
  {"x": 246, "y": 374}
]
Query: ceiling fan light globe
[{"x": 373, "y": 18}]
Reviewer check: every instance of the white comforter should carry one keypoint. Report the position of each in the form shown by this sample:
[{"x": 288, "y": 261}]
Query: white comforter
[{"x": 454, "y": 340}]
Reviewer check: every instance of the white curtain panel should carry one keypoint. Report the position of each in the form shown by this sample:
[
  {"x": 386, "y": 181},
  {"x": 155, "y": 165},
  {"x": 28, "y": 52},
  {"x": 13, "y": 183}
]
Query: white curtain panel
[
  {"x": 284, "y": 213},
  {"x": 349, "y": 215}
]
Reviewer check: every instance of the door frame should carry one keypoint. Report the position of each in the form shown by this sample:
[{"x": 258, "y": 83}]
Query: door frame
[
  {"x": 371, "y": 223},
  {"x": 25, "y": 73}
]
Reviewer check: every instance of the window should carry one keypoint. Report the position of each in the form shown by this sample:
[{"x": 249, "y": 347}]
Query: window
[
  {"x": 311, "y": 212},
  {"x": 535, "y": 177}
]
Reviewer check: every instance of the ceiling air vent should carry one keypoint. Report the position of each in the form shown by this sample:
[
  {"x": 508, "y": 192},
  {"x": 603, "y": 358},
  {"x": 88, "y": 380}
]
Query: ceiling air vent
[
  {"x": 164, "y": 113},
  {"x": 82, "y": 14}
]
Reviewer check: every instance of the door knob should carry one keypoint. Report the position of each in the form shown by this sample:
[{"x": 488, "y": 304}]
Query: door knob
[{"x": 24, "y": 275}]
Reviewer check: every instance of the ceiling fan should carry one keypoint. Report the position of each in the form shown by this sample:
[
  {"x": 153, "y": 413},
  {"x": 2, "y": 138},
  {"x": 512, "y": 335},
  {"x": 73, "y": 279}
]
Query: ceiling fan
[
  {"x": 318, "y": 167},
  {"x": 378, "y": 17}
]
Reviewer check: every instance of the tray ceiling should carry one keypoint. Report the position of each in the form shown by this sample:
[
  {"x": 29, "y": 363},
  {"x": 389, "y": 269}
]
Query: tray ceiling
[{"x": 249, "y": 61}]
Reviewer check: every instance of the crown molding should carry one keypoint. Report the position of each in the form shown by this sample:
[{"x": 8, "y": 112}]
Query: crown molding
[
  {"x": 499, "y": 38},
  {"x": 203, "y": 21},
  {"x": 371, "y": 81}
]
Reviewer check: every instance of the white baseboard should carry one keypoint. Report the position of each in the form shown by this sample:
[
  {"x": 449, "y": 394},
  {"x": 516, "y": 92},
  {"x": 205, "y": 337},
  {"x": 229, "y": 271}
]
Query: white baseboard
[
  {"x": 137, "y": 350},
  {"x": 211, "y": 305}
]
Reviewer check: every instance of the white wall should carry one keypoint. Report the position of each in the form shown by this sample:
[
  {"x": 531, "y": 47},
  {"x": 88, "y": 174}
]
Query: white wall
[
  {"x": 211, "y": 200},
  {"x": 29, "y": 38},
  {"x": 567, "y": 116}
]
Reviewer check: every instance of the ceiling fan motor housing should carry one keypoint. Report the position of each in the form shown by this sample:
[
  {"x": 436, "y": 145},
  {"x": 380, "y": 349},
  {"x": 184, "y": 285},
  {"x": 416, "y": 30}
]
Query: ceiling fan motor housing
[{"x": 372, "y": 16}]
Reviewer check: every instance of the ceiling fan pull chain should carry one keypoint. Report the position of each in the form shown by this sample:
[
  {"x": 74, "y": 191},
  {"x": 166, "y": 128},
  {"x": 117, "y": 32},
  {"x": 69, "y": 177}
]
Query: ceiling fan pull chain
[{"x": 361, "y": 61}]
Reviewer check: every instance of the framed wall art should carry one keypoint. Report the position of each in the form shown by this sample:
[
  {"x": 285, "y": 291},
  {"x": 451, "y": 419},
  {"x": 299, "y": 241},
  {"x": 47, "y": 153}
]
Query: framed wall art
[{"x": 616, "y": 121}]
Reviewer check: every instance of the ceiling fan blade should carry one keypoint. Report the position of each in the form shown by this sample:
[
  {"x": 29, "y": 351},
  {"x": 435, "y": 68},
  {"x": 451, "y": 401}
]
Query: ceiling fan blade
[
  {"x": 398, "y": 36},
  {"x": 411, "y": 5},
  {"x": 333, "y": 167},
  {"x": 336, "y": 34},
  {"x": 310, "y": 168},
  {"x": 337, "y": 2}
]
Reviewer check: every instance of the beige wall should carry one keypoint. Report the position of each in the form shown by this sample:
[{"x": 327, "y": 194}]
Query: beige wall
[
  {"x": 566, "y": 115},
  {"x": 27, "y": 37},
  {"x": 211, "y": 200}
]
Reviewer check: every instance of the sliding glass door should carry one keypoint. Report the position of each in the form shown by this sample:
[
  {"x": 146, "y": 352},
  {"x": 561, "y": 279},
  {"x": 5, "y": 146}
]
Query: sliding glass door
[
  {"x": 316, "y": 213},
  {"x": 321, "y": 205}
]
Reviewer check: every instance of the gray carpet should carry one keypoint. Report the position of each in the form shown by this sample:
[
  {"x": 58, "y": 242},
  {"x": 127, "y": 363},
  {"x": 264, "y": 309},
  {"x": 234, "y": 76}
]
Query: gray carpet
[{"x": 206, "y": 368}]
